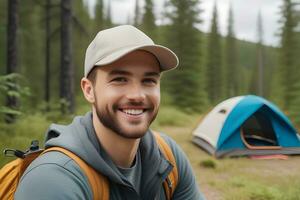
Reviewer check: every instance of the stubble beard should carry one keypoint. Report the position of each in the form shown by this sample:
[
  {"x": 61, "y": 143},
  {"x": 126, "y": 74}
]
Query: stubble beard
[{"x": 108, "y": 119}]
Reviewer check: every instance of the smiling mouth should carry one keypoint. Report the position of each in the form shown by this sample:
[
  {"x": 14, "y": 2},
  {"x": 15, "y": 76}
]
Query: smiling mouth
[{"x": 133, "y": 112}]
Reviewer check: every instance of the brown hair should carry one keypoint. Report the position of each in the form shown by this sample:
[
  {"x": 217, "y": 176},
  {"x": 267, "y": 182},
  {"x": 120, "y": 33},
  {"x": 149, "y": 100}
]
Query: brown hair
[{"x": 92, "y": 75}]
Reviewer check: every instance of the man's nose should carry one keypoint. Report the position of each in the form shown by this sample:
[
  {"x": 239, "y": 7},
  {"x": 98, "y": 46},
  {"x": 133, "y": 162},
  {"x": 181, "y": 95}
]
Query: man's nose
[{"x": 136, "y": 93}]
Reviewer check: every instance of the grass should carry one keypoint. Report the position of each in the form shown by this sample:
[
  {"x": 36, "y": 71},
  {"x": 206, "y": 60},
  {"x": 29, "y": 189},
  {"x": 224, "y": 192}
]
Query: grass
[
  {"x": 170, "y": 116},
  {"x": 209, "y": 163},
  {"x": 20, "y": 134},
  {"x": 237, "y": 178},
  {"x": 228, "y": 179}
]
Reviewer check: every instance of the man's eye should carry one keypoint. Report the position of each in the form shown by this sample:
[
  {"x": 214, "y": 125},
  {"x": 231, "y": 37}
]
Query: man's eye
[
  {"x": 150, "y": 81},
  {"x": 119, "y": 79}
]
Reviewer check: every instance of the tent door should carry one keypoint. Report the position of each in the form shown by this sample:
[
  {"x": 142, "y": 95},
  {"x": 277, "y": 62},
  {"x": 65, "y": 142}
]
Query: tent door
[{"x": 257, "y": 132}]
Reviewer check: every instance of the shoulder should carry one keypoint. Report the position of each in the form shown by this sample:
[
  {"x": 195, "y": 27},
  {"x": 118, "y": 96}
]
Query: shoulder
[
  {"x": 176, "y": 149},
  {"x": 53, "y": 175},
  {"x": 187, "y": 187}
]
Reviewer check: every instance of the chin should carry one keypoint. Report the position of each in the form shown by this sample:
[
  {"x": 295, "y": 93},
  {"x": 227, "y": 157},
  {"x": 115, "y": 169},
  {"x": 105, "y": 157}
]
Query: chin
[{"x": 133, "y": 133}]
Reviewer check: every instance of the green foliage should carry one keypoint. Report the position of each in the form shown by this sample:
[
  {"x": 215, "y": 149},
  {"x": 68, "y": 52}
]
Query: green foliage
[
  {"x": 99, "y": 16},
  {"x": 183, "y": 38},
  {"x": 11, "y": 85},
  {"x": 214, "y": 70},
  {"x": 289, "y": 77},
  {"x": 148, "y": 20},
  {"x": 7, "y": 82},
  {"x": 186, "y": 85},
  {"x": 170, "y": 116},
  {"x": 231, "y": 68},
  {"x": 295, "y": 105},
  {"x": 208, "y": 163},
  {"x": 242, "y": 188},
  {"x": 20, "y": 134},
  {"x": 291, "y": 193},
  {"x": 103, "y": 16},
  {"x": 258, "y": 75},
  {"x": 289, "y": 50},
  {"x": 6, "y": 110},
  {"x": 264, "y": 193},
  {"x": 31, "y": 47}
]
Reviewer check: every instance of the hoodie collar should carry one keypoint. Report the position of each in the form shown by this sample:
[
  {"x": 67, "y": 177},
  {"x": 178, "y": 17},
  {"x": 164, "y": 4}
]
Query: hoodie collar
[
  {"x": 155, "y": 167},
  {"x": 80, "y": 138}
]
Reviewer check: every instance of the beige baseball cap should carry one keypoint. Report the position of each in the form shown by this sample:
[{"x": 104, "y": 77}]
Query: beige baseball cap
[{"x": 111, "y": 44}]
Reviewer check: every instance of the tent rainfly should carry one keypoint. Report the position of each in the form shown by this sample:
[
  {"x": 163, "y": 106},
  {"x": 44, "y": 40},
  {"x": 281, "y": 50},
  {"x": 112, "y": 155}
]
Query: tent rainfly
[{"x": 246, "y": 125}]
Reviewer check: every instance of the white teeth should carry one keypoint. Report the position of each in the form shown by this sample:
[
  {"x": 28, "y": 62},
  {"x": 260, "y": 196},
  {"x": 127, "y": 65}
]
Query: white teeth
[{"x": 133, "y": 111}]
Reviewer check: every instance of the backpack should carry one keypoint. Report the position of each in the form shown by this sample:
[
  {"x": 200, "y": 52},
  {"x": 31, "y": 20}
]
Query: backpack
[{"x": 11, "y": 173}]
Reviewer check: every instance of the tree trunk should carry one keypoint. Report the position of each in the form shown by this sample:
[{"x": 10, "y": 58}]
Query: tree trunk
[
  {"x": 47, "y": 49},
  {"x": 66, "y": 69},
  {"x": 12, "y": 57}
]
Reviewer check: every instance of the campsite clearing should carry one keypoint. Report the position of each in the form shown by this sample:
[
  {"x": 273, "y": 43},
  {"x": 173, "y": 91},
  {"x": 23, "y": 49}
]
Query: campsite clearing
[{"x": 239, "y": 178}]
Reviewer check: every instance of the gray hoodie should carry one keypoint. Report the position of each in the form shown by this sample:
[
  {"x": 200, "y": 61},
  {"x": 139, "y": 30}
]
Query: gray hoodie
[{"x": 55, "y": 176}]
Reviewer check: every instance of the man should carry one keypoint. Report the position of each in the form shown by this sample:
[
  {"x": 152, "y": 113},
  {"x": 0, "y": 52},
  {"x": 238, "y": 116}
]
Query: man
[{"x": 122, "y": 83}]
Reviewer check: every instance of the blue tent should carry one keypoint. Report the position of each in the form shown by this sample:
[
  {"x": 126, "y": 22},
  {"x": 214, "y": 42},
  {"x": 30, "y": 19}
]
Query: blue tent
[{"x": 247, "y": 125}]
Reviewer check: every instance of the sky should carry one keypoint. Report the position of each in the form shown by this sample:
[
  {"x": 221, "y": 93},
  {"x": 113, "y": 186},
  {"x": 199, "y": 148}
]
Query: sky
[{"x": 245, "y": 16}]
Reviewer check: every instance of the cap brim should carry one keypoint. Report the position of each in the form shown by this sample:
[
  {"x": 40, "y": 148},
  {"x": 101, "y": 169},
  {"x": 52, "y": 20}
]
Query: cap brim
[{"x": 167, "y": 58}]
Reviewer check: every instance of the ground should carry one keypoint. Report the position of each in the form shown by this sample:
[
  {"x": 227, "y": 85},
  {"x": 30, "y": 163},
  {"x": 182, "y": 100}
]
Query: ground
[{"x": 239, "y": 178}]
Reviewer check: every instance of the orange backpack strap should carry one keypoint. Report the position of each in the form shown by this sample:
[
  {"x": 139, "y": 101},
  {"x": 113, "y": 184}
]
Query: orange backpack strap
[
  {"x": 99, "y": 184},
  {"x": 11, "y": 174},
  {"x": 173, "y": 176}
]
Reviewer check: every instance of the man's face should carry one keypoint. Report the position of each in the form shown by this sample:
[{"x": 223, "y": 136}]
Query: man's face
[{"x": 127, "y": 94}]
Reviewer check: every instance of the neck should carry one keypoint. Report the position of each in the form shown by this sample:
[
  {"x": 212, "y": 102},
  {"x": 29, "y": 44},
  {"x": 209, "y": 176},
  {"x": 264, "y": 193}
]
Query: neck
[{"x": 121, "y": 150}]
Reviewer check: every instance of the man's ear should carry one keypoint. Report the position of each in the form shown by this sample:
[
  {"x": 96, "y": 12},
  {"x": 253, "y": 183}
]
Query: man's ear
[{"x": 87, "y": 89}]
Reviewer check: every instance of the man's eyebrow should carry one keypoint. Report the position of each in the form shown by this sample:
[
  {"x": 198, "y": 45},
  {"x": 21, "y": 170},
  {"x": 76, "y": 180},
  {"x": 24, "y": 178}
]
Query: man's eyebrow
[
  {"x": 152, "y": 74},
  {"x": 123, "y": 72},
  {"x": 119, "y": 72}
]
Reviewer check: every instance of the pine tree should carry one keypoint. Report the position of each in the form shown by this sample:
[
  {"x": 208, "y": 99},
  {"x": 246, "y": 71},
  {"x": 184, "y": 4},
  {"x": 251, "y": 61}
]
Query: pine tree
[
  {"x": 260, "y": 57},
  {"x": 99, "y": 16},
  {"x": 185, "y": 84},
  {"x": 258, "y": 76},
  {"x": 294, "y": 93},
  {"x": 231, "y": 71},
  {"x": 288, "y": 51},
  {"x": 214, "y": 65},
  {"x": 148, "y": 20}
]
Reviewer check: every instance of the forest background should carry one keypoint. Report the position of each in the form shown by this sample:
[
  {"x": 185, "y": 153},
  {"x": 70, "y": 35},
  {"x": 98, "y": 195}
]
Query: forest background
[{"x": 43, "y": 43}]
